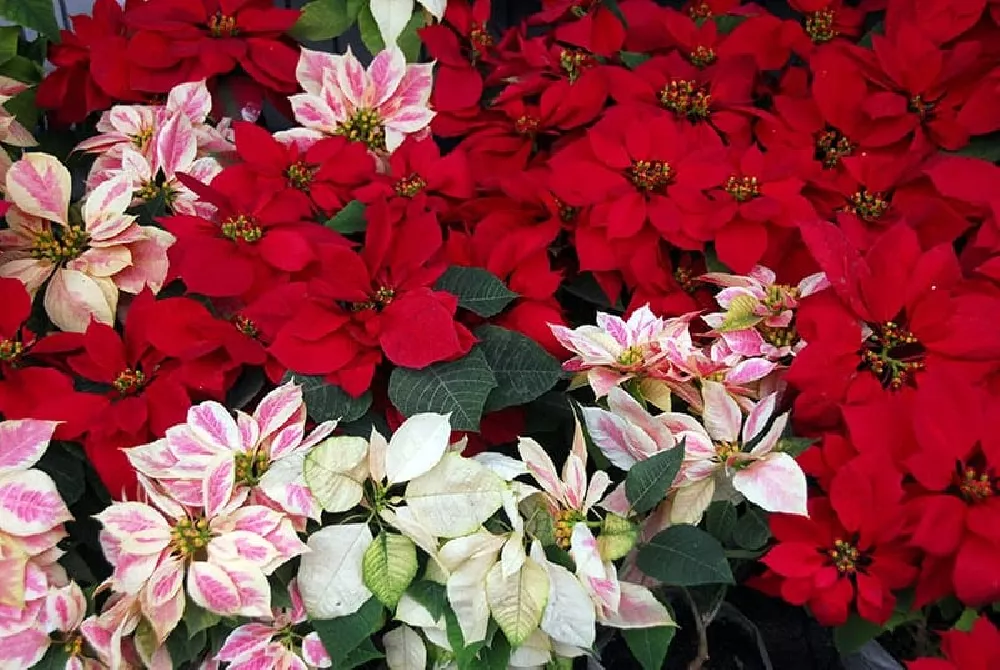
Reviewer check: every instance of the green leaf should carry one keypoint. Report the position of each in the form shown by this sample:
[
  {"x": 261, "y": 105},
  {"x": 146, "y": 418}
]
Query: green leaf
[
  {"x": 39, "y": 15},
  {"x": 388, "y": 567},
  {"x": 325, "y": 19},
  {"x": 984, "y": 147},
  {"x": 433, "y": 596},
  {"x": 9, "y": 36},
  {"x": 344, "y": 634},
  {"x": 246, "y": 387},
  {"x": 966, "y": 621},
  {"x": 866, "y": 39},
  {"x": 360, "y": 655},
  {"x": 24, "y": 109},
  {"x": 740, "y": 314},
  {"x": 633, "y": 59},
  {"x": 326, "y": 402},
  {"x": 371, "y": 36},
  {"x": 63, "y": 462},
  {"x": 465, "y": 655},
  {"x": 727, "y": 23},
  {"x": 55, "y": 658},
  {"x": 617, "y": 537},
  {"x": 409, "y": 40},
  {"x": 647, "y": 483},
  {"x": 612, "y": 5},
  {"x": 684, "y": 555},
  {"x": 712, "y": 262},
  {"x": 22, "y": 69},
  {"x": 752, "y": 531},
  {"x": 477, "y": 290},
  {"x": 649, "y": 645},
  {"x": 720, "y": 520},
  {"x": 198, "y": 619},
  {"x": 854, "y": 634},
  {"x": 460, "y": 387},
  {"x": 351, "y": 219},
  {"x": 523, "y": 370},
  {"x": 496, "y": 655},
  {"x": 793, "y": 446},
  {"x": 183, "y": 648}
]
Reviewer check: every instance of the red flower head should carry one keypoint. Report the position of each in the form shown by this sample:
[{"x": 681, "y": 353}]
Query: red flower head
[
  {"x": 92, "y": 68},
  {"x": 15, "y": 338},
  {"x": 188, "y": 40},
  {"x": 258, "y": 236},
  {"x": 825, "y": 20},
  {"x": 459, "y": 45},
  {"x": 259, "y": 321},
  {"x": 590, "y": 24},
  {"x": 978, "y": 649},
  {"x": 847, "y": 550},
  {"x": 419, "y": 172}
]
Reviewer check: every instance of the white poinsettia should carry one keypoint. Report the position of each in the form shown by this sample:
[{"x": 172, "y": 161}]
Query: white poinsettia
[{"x": 391, "y": 16}]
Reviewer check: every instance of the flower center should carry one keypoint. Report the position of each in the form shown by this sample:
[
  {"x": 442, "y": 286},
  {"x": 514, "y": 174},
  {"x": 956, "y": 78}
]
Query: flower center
[
  {"x": 921, "y": 107},
  {"x": 702, "y": 56},
  {"x": 129, "y": 382},
  {"x": 724, "y": 451},
  {"x": 631, "y": 357},
  {"x": 223, "y": 25},
  {"x": 245, "y": 326},
  {"x": 151, "y": 190},
  {"x": 893, "y": 354},
  {"x": 300, "y": 175},
  {"x": 975, "y": 485},
  {"x": 481, "y": 41},
  {"x": 574, "y": 62},
  {"x": 581, "y": 8},
  {"x": 60, "y": 244},
  {"x": 742, "y": 188},
  {"x": 241, "y": 227},
  {"x": 190, "y": 537},
  {"x": 366, "y": 127},
  {"x": 684, "y": 279},
  {"x": 141, "y": 139},
  {"x": 565, "y": 521},
  {"x": 410, "y": 186},
  {"x": 526, "y": 125},
  {"x": 868, "y": 205},
  {"x": 73, "y": 646},
  {"x": 700, "y": 10},
  {"x": 567, "y": 213},
  {"x": 650, "y": 176},
  {"x": 820, "y": 26},
  {"x": 831, "y": 146},
  {"x": 10, "y": 350},
  {"x": 377, "y": 301},
  {"x": 686, "y": 99},
  {"x": 846, "y": 557},
  {"x": 251, "y": 467}
]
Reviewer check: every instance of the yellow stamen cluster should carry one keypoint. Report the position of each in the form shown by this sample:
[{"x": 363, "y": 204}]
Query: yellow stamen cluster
[
  {"x": 631, "y": 357},
  {"x": 366, "y": 127},
  {"x": 565, "y": 521},
  {"x": 780, "y": 337},
  {"x": 893, "y": 354},
  {"x": 975, "y": 486},
  {"x": 820, "y": 26},
  {"x": 567, "y": 213},
  {"x": 410, "y": 186},
  {"x": 574, "y": 62},
  {"x": 60, "y": 244},
  {"x": 480, "y": 39},
  {"x": 921, "y": 107},
  {"x": 684, "y": 279},
  {"x": 377, "y": 301},
  {"x": 650, "y": 175},
  {"x": 129, "y": 381},
  {"x": 702, "y": 56},
  {"x": 189, "y": 537},
  {"x": 241, "y": 228},
  {"x": 74, "y": 645},
  {"x": 251, "y": 467},
  {"x": 300, "y": 175},
  {"x": 845, "y": 557},
  {"x": 141, "y": 139},
  {"x": 245, "y": 326},
  {"x": 832, "y": 146},
  {"x": 867, "y": 205},
  {"x": 700, "y": 10},
  {"x": 223, "y": 25},
  {"x": 687, "y": 99},
  {"x": 726, "y": 450},
  {"x": 526, "y": 125},
  {"x": 10, "y": 350},
  {"x": 742, "y": 188}
]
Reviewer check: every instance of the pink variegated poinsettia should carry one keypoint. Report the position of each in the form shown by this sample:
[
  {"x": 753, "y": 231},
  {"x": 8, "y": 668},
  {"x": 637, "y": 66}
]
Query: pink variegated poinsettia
[
  {"x": 617, "y": 350},
  {"x": 731, "y": 450},
  {"x": 260, "y": 456},
  {"x": 86, "y": 264},
  {"x": 759, "y": 313},
  {"x": 221, "y": 550},
  {"x": 110, "y": 635},
  {"x": 277, "y": 643},
  {"x": 12, "y": 133},
  {"x": 379, "y": 106}
]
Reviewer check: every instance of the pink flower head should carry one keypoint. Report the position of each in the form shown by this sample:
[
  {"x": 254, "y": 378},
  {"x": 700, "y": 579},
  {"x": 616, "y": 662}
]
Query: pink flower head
[
  {"x": 379, "y": 106},
  {"x": 275, "y": 642},
  {"x": 759, "y": 313},
  {"x": 721, "y": 449},
  {"x": 615, "y": 350},
  {"x": 87, "y": 264},
  {"x": 215, "y": 457},
  {"x": 626, "y": 433}
]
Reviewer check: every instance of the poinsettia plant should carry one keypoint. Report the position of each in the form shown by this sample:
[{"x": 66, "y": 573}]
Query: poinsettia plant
[{"x": 511, "y": 346}]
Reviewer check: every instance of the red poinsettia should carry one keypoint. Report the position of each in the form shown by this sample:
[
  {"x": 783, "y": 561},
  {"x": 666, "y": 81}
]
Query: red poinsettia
[
  {"x": 976, "y": 649},
  {"x": 92, "y": 69},
  {"x": 825, "y": 20},
  {"x": 418, "y": 171},
  {"x": 459, "y": 44},
  {"x": 591, "y": 24},
  {"x": 847, "y": 551},
  {"x": 188, "y": 40}
]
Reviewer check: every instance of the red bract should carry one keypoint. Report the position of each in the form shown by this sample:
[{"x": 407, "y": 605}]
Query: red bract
[
  {"x": 459, "y": 45},
  {"x": 14, "y": 336},
  {"x": 258, "y": 236},
  {"x": 419, "y": 172},
  {"x": 825, "y": 20},
  {"x": 188, "y": 40},
  {"x": 92, "y": 69},
  {"x": 977, "y": 649},
  {"x": 847, "y": 552},
  {"x": 590, "y": 24}
]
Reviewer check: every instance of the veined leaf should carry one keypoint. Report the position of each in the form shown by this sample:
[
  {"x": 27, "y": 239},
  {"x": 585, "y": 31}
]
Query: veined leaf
[
  {"x": 648, "y": 481},
  {"x": 684, "y": 555},
  {"x": 477, "y": 290},
  {"x": 517, "y": 601},
  {"x": 459, "y": 388},
  {"x": 388, "y": 567}
]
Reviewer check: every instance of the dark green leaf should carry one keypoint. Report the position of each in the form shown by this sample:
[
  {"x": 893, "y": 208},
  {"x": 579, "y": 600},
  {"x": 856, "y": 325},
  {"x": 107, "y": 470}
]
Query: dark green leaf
[
  {"x": 984, "y": 147},
  {"x": 351, "y": 219},
  {"x": 647, "y": 483},
  {"x": 968, "y": 618},
  {"x": 612, "y": 5},
  {"x": 39, "y": 15},
  {"x": 866, "y": 39},
  {"x": 633, "y": 59},
  {"x": 712, "y": 262},
  {"x": 465, "y": 655},
  {"x": 793, "y": 446},
  {"x": 62, "y": 462},
  {"x": 649, "y": 645},
  {"x": 22, "y": 69},
  {"x": 55, "y": 658},
  {"x": 496, "y": 655},
  {"x": 409, "y": 40},
  {"x": 326, "y": 402},
  {"x": 433, "y": 596},
  {"x": 363, "y": 653},
  {"x": 477, "y": 290},
  {"x": 184, "y": 648},
  {"x": 684, "y": 555},
  {"x": 854, "y": 634},
  {"x": 246, "y": 387},
  {"x": 197, "y": 619},
  {"x": 371, "y": 36},
  {"x": 9, "y": 36},
  {"x": 523, "y": 370},
  {"x": 752, "y": 531},
  {"x": 727, "y": 23},
  {"x": 343, "y": 635},
  {"x": 460, "y": 387},
  {"x": 585, "y": 287},
  {"x": 325, "y": 19},
  {"x": 24, "y": 109},
  {"x": 720, "y": 519}
]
